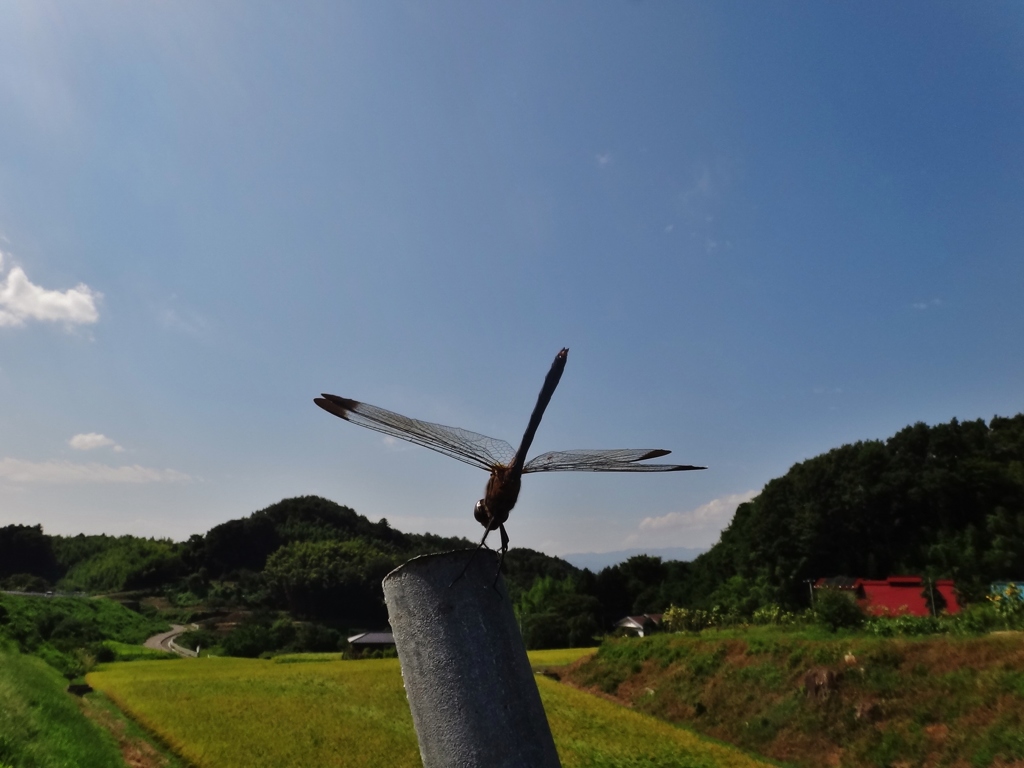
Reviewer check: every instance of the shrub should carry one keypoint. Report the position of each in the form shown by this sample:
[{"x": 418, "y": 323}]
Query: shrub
[
  {"x": 102, "y": 653},
  {"x": 316, "y": 638},
  {"x": 25, "y": 582},
  {"x": 1009, "y": 606},
  {"x": 67, "y": 664},
  {"x": 203, "y": 638},
  {"x": 913, "y": 626},
  {"x": 976, "y": 620},
  {"x": 691, "y": 619},
  {"x": 835, "y": 610},
  {"x": 773, "y": 614}
]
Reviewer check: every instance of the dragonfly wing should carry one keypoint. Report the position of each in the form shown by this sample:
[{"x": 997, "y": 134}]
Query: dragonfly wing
[
  {"x": 470, "y": 447},
  {"x": 616, "y": 460}
]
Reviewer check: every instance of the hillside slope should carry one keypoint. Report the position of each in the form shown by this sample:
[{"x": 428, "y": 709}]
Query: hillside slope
[{"x": 828, "y": 701}]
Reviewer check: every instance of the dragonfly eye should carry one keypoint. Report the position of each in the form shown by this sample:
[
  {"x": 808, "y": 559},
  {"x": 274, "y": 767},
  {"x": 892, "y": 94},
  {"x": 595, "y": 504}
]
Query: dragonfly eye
[{"x": 480, "y": 512}]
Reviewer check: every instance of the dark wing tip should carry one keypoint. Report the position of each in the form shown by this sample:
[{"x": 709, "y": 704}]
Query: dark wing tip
[
  {"x": 342, "y": 401},
  {"x": 654, "y": 454},
  {"x": 659, "y": 452},
  {"x": 339, "y": 406}
]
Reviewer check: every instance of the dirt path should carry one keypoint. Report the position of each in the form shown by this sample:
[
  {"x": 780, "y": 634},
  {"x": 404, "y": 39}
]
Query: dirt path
[{"x": 136, "y": 751}]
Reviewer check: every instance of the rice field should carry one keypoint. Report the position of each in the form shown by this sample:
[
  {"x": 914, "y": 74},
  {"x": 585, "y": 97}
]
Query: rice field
[{"x": 249, "y": 713}]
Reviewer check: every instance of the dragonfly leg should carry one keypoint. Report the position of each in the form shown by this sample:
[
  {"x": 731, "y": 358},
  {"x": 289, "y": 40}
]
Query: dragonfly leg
[
  {"x": 501, "y": 554},
  {"x": 478, "y": 548}
]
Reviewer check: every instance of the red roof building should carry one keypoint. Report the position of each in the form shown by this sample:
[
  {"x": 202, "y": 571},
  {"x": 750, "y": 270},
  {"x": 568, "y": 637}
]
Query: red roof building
[{"x": 896, "y": 595}]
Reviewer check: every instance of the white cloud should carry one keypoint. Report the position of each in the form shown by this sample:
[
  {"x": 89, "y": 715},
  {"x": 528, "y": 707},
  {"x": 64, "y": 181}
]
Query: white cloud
[
  {"x": 21, "y": 300},
  {"x": 697, "y": 524},
  {"x": 92, "y": 440},
  {"x": 184, "y": 321},
  {"x": 923, "y": 305},
  {"x": 69, "y": 473}
]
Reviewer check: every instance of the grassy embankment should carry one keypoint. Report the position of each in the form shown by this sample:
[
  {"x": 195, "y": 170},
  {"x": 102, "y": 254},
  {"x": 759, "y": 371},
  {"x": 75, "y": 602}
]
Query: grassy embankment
[
  {"x": 43, "y": 643},
  {"x": 71, "y": 633},
  {"x": 247, "y": 712},
  {"x": 42, "y": 726},
  {"x": 936, "y": 701}
]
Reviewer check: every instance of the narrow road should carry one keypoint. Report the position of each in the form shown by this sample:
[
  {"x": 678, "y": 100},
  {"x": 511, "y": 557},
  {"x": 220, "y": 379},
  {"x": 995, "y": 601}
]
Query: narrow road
[{"x": 162, "y": 642}]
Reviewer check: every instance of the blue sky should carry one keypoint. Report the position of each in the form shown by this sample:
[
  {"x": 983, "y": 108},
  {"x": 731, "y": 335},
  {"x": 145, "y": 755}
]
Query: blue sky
[{"x": 763, "y": 230}]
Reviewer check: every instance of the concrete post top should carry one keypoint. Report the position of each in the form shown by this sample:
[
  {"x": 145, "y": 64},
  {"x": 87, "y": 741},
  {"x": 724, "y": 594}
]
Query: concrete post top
[{"x": 473, "y": 562}]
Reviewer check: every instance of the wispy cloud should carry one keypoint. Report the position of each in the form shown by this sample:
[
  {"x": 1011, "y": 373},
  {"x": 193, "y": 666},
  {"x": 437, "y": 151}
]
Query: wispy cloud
[
  {"x": 923, "y": 305},
  {"x": 91, "y": 440},
  {"x": 186, "y": 320},
  {"x": 603, "y": 159},
  {"x": 22, "y": 300},
  {"x": 70, "y": 473},
  {"x": 710, "y": 181},
  {"x": 695, "y": 524},
  {"x": 701, "y": 197}
]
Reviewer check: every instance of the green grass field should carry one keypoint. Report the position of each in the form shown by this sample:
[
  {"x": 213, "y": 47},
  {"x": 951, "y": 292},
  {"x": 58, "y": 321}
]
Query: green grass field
[
  {"x": 131, "y": 652},
  {"x": 41, "y": 726},
  {"x": 226, "y": 712}
]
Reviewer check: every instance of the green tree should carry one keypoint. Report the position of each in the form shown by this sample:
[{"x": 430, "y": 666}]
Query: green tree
[
  {"x": 553, "y": 613},
  {"x": 836, "y": 610},
  {"x": 330, "y": 579},
  {"x": 25, "y": 549}
]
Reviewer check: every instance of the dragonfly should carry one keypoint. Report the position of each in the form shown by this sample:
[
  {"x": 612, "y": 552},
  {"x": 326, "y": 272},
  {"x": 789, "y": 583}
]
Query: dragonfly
[{"x": 505, "y": 464}]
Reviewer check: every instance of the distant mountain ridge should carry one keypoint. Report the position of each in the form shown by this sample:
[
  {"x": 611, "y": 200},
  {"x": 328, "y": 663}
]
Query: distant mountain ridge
[{"x": 595, "y": 561}]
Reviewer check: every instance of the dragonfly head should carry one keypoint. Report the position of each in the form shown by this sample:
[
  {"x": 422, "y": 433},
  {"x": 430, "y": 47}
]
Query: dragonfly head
[{"x": 480, "y": 513}]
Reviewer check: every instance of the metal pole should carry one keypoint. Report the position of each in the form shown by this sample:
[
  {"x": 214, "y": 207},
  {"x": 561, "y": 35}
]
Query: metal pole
[{"x": 472, "y": 694}]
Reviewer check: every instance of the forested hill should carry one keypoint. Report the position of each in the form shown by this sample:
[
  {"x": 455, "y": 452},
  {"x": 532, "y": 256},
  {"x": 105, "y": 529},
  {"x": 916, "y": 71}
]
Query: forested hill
[
  {"x": 317, "y": 560},
  {"x": 943, "y": 501},
  {"x": 274, "y": 548},
  {"x": 246, "y": 543}
]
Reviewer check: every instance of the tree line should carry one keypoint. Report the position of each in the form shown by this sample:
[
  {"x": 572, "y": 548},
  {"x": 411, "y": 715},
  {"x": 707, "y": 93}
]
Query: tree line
[{"x": 944, "y": 501}]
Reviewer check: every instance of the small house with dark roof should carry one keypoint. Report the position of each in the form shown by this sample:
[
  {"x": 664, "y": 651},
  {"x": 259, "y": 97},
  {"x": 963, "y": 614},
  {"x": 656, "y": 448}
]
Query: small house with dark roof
[
  {"x": 642, "y": 625},
  {"x": 371, "y": 641}
]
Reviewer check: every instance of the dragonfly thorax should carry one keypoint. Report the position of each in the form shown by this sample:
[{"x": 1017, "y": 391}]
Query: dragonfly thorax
[{"x": 499, "y": 497}]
